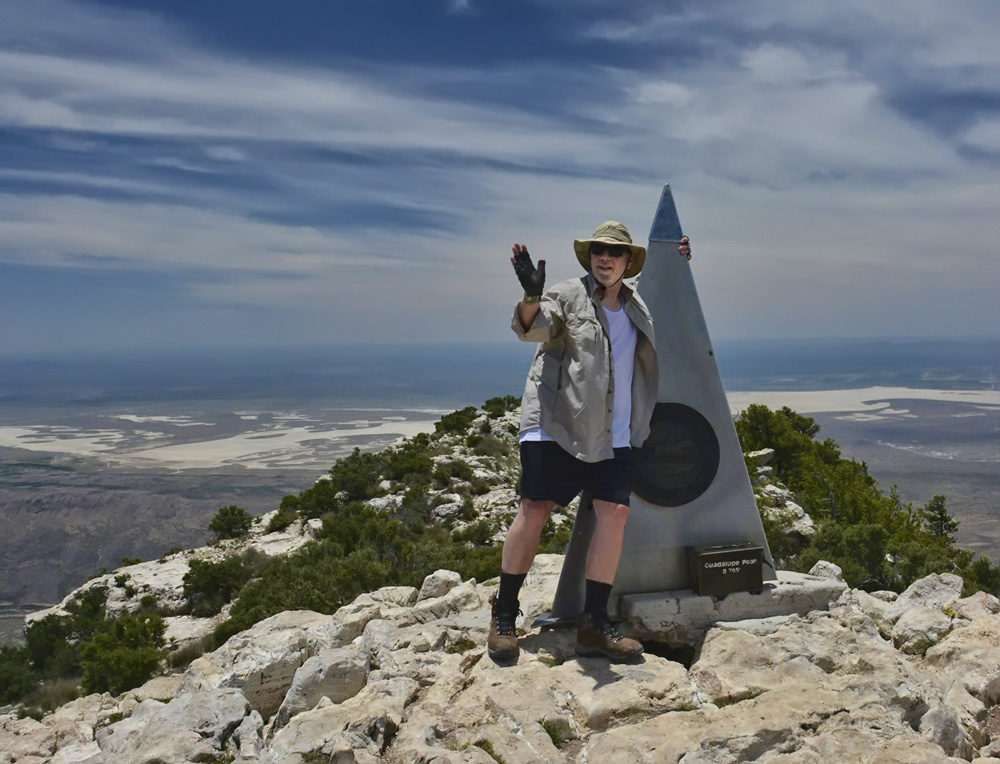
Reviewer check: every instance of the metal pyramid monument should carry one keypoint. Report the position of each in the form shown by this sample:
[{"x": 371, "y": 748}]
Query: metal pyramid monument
[{"x": 691, "y": 485}]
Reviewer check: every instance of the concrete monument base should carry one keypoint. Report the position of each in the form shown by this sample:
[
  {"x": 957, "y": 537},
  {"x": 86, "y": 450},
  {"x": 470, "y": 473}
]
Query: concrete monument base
[{"x": 683, "y": 617}]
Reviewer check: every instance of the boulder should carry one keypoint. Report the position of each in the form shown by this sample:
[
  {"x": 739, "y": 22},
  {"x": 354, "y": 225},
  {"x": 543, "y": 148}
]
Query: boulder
[
  {"x": 971, "y": 655},
  {"x": 367, "y": 722},
  {"x": 918, "y": 628},
  {"x": 799, "y": 722},
  {"x": 978, "y": 604},
  {"x": 824, "y": 569},
  {"x": 935, "y": 591},
  {"x": 262, "y": 661},
  {"x": 193, "y": 727},
  {"x": 438, "y": 584},
  {"x": 188, "y": 631},
  {"x": 337, "y": 674}
]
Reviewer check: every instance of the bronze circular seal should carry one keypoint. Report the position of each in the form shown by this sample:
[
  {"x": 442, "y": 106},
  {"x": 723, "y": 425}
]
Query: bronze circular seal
[{"x": 679, "y": 459}]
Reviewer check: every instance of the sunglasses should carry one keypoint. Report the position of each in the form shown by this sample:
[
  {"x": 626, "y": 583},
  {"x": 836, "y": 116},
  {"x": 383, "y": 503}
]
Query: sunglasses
[{"x": 613, "y": 250}]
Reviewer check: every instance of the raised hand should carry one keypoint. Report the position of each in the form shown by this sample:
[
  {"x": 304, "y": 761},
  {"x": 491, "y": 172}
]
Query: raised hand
[{"x": 532, "y": 279}]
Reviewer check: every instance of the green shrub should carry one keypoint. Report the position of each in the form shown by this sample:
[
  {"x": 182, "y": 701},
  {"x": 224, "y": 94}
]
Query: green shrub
[
  {"x": 410, "y": 462},
  {"x": 416, "y": 505},
  {"x": 357, "y": 476},
  {"x": 231, "y": 522},
  {"x": 284, "y": 517},
  {"x": 183, "y": 657},
  {"x": 468, "y": 509},
  {"x": 123, "y": 657},
  {"x": 457, "y": 421},
  {"x": 879, "y": 541},
  {"x": 53, "y": 642},
  {"x": 359, "y": 550},
  {"x": 478, "y": 533},
  {"x": 457, "y": 469},
  {"x": 479, "y": 486},
  {"x": 490, "y": 445},
  {"x": 208, "y": 586},
  {"x": 49, "y": 695},
  {"x": 17, "y": 678},
  {"x": 555, "y": 538},
  {"x": 496, "y": 407}
]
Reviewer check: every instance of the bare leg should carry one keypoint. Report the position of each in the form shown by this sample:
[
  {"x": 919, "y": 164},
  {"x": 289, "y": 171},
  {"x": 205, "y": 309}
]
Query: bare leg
[
  {"x": 606, "y": 545},
  {"x": 521, "y": 544}
]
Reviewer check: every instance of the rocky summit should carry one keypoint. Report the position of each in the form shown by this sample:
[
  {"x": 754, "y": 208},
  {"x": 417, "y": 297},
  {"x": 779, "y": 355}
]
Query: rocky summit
[
  {"x": 401, "y": 675},
  {"x": 807, "y": 670}
]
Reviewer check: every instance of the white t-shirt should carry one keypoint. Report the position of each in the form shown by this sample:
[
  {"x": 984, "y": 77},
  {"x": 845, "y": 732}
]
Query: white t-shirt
[{"x": 623, "y": 340}]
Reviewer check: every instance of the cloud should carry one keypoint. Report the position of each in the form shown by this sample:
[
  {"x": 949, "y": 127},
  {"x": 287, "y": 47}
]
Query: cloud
[
  {"x": 805, "y": 143},
  {"x": 460, "y": 6}
]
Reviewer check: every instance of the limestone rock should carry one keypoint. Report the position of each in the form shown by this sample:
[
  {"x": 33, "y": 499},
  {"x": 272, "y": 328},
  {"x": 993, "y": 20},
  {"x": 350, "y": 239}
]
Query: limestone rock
[
  {"x": 337, "y": 674},
  {"x": 367, "y": 722},
  {"x": 194, "y": 727},
  {"x": 978, "y": 604},
  {"x": 796, "y": 723},
  {"x": 263, "y": 660},
  {"x": 933, "y": 591},
  {"x": 438, "y": 584},
  {"x": 885, "y": 596},
  {"x": 871, "y": 606},
  {"x": 919, "y": 628},
  {"x": 761, "y": 457},
  {"x": 824, "y": 569},
  {"x": 187, "y": 630},
  {"x": 972, "y": 655},
  {"x": 790, "y": 513},
  {"x": 65, "y": 735},
  {"x": 800, "y": 673},
  {"x": 685, "y": 616},
  {"x": 462, "y": 597},
  {"x": 247, "y": 737}
]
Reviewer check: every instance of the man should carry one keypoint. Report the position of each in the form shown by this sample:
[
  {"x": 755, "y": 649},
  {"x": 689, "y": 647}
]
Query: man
[{"x": 587, "y": 402}]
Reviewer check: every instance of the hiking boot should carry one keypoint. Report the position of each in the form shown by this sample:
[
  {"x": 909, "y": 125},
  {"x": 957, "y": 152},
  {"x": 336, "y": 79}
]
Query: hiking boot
[
  {"x": 502, "y": 642},
  {"x": 596, "y": 637}
]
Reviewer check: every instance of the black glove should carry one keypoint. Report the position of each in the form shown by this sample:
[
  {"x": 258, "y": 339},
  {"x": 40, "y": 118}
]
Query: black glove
[{"x": 531, "y": 278}]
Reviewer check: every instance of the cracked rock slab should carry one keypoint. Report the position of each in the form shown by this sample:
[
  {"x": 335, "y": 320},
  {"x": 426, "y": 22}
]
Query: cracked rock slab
[{"x": 683, "y": 616}]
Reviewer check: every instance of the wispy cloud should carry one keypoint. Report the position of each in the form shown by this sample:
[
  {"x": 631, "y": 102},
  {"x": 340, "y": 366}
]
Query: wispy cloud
[{"x": 807, "y": 143}]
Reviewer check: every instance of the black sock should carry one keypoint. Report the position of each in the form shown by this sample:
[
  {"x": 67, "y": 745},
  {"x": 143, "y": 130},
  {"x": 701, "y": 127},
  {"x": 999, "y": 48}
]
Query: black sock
[
  {"x": 510, "y": 587},
  {"x": 598, "y": 594}
]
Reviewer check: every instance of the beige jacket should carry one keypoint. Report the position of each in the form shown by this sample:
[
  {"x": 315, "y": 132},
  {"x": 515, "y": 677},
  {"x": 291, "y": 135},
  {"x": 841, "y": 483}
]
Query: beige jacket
[{"x": 570, "y": 388}]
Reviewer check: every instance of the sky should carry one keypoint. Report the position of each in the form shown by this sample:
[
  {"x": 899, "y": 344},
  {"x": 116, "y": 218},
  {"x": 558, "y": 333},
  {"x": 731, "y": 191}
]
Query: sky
[{"x": 258, "y": 173}]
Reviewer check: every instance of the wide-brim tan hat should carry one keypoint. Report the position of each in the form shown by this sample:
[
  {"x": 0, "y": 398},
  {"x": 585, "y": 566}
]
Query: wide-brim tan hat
[{"x": 611, "y": 232}]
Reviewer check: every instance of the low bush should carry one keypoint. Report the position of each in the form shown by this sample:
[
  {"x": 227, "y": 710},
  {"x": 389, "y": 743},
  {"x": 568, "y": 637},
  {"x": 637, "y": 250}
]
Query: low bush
[
  {"x": 456, "y": 469},
  {"x": 496, "y": 407},
  {"x": 17, "y": 678},
  {"x": 457, "y": 421},
  {"x": 231, "y": 522},
  {"x": 478, "y": 533},
  {"x": 360, "y": 549},
  {"x": 47, "y": 696},
  {"x": 879, "y": 541},
  {"x": 124, "y": 656},
  {"x": 284, "y": 517},
  {"x": 490, "y": 445}
]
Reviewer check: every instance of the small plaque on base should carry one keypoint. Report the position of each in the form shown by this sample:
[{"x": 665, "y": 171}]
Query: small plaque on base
[{"x": 726, "y": 569}]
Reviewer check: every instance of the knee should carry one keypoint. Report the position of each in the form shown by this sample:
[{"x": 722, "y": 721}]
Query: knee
[
  {"x": 616, "y": 514},
  {"x": 536, "y": 513}
]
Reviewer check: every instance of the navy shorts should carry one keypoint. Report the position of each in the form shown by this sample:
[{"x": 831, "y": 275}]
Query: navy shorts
[{"x": 548, "y": 473}]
